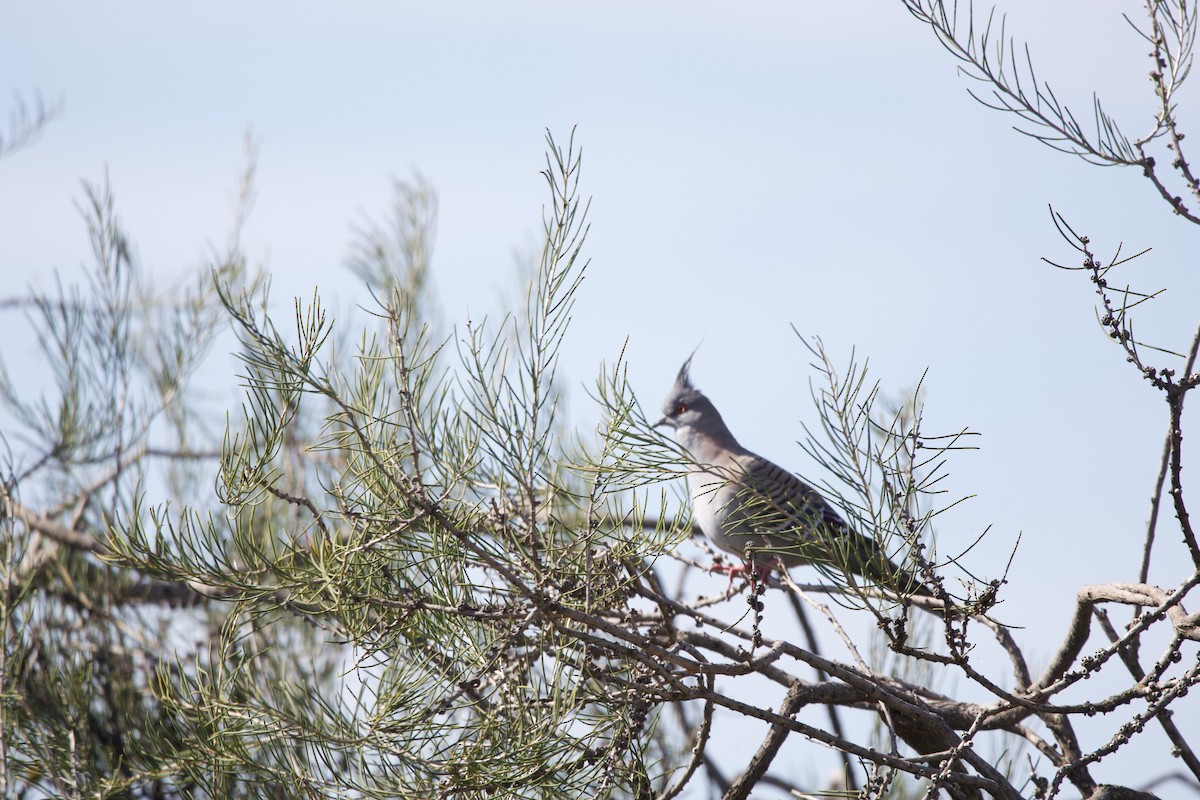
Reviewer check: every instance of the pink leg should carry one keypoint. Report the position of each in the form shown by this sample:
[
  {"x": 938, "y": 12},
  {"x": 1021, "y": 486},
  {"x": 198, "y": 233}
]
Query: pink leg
[{"x": 762, "y": 571}]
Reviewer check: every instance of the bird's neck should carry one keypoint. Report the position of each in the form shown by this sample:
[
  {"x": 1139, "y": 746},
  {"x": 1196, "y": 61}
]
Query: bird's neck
[{"x": 708, "y": 446}]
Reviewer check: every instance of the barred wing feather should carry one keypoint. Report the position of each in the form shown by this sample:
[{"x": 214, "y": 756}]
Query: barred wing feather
[{"x": 800, "y": 526}]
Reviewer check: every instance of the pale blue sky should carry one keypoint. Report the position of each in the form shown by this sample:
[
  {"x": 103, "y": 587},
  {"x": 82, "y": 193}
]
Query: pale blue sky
[{"x": 753, "y": 165}]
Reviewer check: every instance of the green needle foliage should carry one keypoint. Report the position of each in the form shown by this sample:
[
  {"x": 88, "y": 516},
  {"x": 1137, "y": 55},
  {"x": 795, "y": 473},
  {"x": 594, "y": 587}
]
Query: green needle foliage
[{"x": 391, "y": 596}]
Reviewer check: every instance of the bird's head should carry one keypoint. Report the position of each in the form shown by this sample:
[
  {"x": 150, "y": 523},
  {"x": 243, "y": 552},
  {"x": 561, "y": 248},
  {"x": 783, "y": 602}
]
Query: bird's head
[{"x": 686, "y": 406}]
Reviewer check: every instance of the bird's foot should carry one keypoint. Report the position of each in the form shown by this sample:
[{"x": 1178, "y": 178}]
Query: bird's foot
[
  {"x": 760, "y": 573},
  {"x": 731, "y": 570}
]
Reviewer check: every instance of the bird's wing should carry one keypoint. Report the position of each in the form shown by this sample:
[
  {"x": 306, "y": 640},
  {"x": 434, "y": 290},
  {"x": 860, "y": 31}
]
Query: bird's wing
[
  {"x": 794, "y": 514},
  {"x": 779, "y": 501}
]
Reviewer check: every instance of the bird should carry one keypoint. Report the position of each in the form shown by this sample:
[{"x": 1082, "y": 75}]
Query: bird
[{"x": 753, "y": 508}]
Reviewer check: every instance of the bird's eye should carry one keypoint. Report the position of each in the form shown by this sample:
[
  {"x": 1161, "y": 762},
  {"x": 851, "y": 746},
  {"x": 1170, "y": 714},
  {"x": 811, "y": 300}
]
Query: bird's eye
[{"x": 679, "y": 409}]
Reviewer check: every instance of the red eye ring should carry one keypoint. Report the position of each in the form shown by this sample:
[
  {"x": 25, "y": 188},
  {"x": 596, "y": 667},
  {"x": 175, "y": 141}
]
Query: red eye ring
[{"x": 682, "y": 408}]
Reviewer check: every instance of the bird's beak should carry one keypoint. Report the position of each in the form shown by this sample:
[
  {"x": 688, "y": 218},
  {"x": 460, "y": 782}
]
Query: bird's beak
[{"x": 664, "y": 422}]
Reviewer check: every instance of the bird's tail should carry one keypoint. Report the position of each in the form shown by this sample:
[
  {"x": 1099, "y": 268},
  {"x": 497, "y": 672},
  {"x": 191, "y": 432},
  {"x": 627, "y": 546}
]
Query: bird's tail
[{"x": 866, "y": 558}]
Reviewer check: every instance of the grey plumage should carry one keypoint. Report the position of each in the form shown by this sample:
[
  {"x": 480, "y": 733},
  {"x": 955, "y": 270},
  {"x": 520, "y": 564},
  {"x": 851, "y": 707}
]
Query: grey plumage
[{"x": 749, "y": 506}]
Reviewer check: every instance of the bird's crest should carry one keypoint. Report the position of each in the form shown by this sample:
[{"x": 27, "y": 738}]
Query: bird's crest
[{"x": 683, "y": 381}]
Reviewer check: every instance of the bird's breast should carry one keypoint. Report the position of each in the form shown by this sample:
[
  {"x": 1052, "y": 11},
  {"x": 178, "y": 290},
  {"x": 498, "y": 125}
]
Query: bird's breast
[{"x": 712, "y": 508}]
